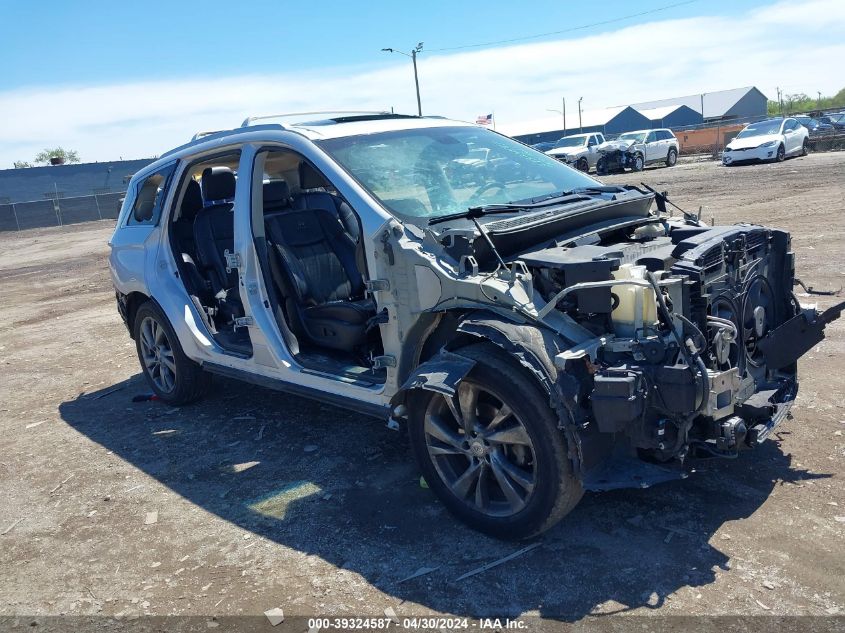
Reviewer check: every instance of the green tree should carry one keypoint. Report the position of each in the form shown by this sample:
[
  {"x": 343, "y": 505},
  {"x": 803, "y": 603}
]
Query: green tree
[
  {"x": 67, "y": 156},
  {"x": 799, "y": 102}
]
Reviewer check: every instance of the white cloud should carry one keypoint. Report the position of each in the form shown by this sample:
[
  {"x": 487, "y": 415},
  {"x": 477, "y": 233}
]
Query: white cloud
[{"x": 638, "y": 63}]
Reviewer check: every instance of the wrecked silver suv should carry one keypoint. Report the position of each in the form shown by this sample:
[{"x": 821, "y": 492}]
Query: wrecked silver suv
[{"x": 538, "y": 333}]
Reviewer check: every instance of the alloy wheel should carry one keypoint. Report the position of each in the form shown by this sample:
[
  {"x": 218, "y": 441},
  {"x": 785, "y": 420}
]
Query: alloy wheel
[
  {"x": 157, "y": 355},
  {"x": 481, "y": 450}
]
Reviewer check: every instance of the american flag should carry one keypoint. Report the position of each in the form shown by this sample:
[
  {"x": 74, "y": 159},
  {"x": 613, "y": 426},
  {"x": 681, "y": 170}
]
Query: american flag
[{"x": 484, "y": 119}]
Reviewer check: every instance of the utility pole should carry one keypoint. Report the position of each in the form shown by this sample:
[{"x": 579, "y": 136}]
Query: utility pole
[
  {"x": 580, "y": 128},
  {"x": 413, "y": 55},
  {"x": 780, "y": 101},
  {"x": 819, "y": 100},
  {"x": 702, "y": 105},
  {"x": 561, "y": 112}
]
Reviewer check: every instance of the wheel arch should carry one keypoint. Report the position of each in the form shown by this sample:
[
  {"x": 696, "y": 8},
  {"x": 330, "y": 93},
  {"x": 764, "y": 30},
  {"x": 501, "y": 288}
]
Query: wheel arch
[{"x": 129, "y": 304}]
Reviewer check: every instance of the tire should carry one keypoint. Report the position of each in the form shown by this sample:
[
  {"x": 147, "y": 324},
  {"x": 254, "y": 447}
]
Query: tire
[
  {"x": 805, "y": 147},
  {"x": 498, "y": 379},
  {"x": 781, "y": 154},
  {"x": 178, "y": 381},
  {"x": 639, "y": 162},
  {"x": 582, "y": 165},
  {"x": 601, "y": 167},
  {"x": 671, "y": 157}
]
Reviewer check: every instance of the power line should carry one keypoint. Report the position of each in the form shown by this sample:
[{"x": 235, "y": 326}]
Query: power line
[{"x": 569, "y": 30}]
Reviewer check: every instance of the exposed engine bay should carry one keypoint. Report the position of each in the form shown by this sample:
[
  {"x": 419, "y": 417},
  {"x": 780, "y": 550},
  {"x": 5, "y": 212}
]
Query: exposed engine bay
[{"x": 692, "y": 334}]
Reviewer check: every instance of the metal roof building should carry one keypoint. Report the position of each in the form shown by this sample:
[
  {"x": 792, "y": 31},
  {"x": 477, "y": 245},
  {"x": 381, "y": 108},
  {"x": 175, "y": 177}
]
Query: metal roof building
[
  {"x": 723, "y": 104},
  {"x": 671, "y": 116},
  {"x": 606, "y": 120}
]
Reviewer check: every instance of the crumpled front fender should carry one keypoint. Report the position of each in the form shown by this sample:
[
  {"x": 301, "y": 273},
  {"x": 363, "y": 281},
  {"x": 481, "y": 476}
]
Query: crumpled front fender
[{"x": 441, "y": 373}]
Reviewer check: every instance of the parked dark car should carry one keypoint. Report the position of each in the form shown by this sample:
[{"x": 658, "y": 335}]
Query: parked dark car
[
  {"x": 837, "y": 120},
  {"x": 545, "y": 146},
  {"x": 814, "y": 126}
]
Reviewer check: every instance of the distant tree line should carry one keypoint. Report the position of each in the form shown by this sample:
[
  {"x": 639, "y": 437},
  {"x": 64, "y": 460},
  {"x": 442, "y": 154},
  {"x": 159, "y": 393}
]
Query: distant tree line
[{"x": 799, "y": 102}]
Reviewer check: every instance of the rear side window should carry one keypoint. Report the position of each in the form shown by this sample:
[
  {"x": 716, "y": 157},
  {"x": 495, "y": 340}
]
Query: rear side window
[{"x": 149, "y": 197}]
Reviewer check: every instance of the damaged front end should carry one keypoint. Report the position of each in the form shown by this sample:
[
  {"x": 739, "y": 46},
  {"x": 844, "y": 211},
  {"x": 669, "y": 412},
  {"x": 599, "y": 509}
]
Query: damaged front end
[
  {"x": 619, "y": 155},
  {"x": 697, "y": 337},
  {"x": 657, "y": 339}
]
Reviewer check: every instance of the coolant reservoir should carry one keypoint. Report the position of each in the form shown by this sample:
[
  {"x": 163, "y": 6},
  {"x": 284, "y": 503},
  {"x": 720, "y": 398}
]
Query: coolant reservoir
[{"x": 637, "y": 306}]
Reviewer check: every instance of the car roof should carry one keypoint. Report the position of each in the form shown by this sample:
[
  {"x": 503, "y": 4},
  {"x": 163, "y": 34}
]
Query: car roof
[{"x": 308, "y": 125}]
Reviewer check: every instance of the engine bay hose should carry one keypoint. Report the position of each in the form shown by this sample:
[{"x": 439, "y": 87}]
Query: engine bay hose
[{"x": 694, "y": 361}]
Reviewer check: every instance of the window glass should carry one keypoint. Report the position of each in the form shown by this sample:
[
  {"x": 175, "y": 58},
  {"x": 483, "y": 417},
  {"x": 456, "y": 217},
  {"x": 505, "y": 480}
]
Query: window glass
[
  {"x": 149, "y": 197},
  {"x": 652, "y": 136},
  {"x": 429, "y": 172}
]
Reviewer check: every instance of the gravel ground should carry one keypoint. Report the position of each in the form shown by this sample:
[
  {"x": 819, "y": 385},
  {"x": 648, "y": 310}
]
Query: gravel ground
[{"x": 253, "y": 499}]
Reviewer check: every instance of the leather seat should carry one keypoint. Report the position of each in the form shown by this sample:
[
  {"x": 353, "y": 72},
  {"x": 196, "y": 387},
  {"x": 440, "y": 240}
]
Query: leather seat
[
  {"x": 313, "y": 264},
  {"x": 276, "y": 196},
  {"x": 214, "y": 234},
  {"x": 183, "y": 231}
]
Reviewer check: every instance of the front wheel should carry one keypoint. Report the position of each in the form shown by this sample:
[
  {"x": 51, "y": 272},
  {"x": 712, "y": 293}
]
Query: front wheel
[
  {"x": 174, "y": 377},
  {"x": 583, "y": 165},
  {"x": 805, "y": 147},
  {"x": 781, "y": 154},
  {"x": 601, "y": 167},
  {"x": 639, "y": 162},
  {"x": 493, "y": 453},
  {"x": 672, "y": 157}
]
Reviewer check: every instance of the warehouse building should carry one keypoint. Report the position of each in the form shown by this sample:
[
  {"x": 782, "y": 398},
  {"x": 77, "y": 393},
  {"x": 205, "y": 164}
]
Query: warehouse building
[
  {"x": 671, "y": 116},
  {"x": 722, "y": 105},
  {"x": 605, "y": 120}
]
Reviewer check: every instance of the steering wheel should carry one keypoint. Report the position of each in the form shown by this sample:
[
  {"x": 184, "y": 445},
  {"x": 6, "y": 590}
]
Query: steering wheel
[{"x": 478, "y": 194}]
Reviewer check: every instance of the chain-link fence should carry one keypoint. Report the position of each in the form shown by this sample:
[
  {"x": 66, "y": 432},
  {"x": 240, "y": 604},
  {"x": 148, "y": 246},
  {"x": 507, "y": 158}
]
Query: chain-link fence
[{"x": 59, "y": 211}]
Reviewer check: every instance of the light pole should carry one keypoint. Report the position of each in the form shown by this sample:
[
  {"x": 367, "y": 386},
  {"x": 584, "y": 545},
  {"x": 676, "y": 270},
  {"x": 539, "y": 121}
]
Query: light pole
[
  {"x": 561, "y": 112},
  {"x": 413, "y": 55},
  {"x": 702, "y": 105},
  {"x": 580, "y": 128}
]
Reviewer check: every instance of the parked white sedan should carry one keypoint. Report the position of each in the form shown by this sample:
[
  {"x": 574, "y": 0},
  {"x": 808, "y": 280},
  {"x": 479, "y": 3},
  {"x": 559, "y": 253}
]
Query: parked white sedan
[{"x": 769, "y": 140}]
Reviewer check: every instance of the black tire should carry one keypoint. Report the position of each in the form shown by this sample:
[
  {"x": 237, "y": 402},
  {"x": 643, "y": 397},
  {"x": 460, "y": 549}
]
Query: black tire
[
  {"x": 805, "y": 147},
  {"x": 781, "y": 154},
  {"x": 601, "y": 167},
  {"x": 556, "y": 490},
  {"x": 671, "y": 157},
  {"x": 583, "y": 165},
  {"x": 639, "y": 162},
  {"x": 190, "y": 382}
]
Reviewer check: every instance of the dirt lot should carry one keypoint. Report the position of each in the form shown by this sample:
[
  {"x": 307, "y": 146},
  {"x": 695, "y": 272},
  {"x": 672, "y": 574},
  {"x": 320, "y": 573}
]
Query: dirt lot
[{"x": 266, "y": 500}]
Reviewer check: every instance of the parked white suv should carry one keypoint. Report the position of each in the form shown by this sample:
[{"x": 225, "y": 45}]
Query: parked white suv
[
  {"x": 538, "y": 333},
  {"x": 578, "y": 150},
  {"x": 770, "y": 140},
  {"x": 635, "y": 150}
]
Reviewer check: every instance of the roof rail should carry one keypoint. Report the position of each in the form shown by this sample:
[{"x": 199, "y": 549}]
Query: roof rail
[
  {"x": 249, "y": 120},
  {"x": 200, "y": 135}
]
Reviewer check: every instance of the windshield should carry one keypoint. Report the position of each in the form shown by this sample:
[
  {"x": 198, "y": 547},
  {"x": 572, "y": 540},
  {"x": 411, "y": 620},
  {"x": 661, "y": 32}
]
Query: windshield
[
  {"x": 639, "y": 137},
  {"x": 429, "y": 172},
  {"x": 571, "y": 141},
  {"x": 761, "y": 129}
]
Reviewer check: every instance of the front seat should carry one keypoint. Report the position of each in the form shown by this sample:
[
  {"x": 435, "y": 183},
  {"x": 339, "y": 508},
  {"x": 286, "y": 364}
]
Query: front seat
[
  {"x": 316, "y": 272},
  {"x": 214, "y": 234}
]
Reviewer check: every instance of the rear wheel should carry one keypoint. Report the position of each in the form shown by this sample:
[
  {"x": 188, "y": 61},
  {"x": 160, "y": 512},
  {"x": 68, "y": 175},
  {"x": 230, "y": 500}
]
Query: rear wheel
[
  {"x": 174, "y": 377},
  {"x": 493, "y": 453},
  {"x": 672, "y": 157}
]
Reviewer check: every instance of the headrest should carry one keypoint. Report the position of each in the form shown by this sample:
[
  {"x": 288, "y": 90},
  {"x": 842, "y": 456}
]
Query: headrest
[
  {"x": 191, "y": 201},
  {"x": 276, "y": 195},
  {"x": 310, "y": 178},
  {"x": 218, "y": 185}
]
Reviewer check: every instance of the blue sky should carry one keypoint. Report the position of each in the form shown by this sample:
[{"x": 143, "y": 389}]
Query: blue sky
[
  {"x": 112, "y": 79},
  {"x": 60, "y": 42}
]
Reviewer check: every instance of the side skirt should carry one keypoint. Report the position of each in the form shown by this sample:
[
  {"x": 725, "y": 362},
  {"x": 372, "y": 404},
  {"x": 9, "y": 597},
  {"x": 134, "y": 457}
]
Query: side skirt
[{"x": 377, "y": 411}]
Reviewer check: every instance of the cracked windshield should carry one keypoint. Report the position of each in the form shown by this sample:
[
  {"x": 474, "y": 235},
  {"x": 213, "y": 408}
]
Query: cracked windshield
[{"x": 426, "y": 173}]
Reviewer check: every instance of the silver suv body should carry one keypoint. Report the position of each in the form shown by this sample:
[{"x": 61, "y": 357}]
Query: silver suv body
[
  {"x": 635, "y": 150},
  {"x": 538, "y": 333},
  {"x": 578, "y": 150}
]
